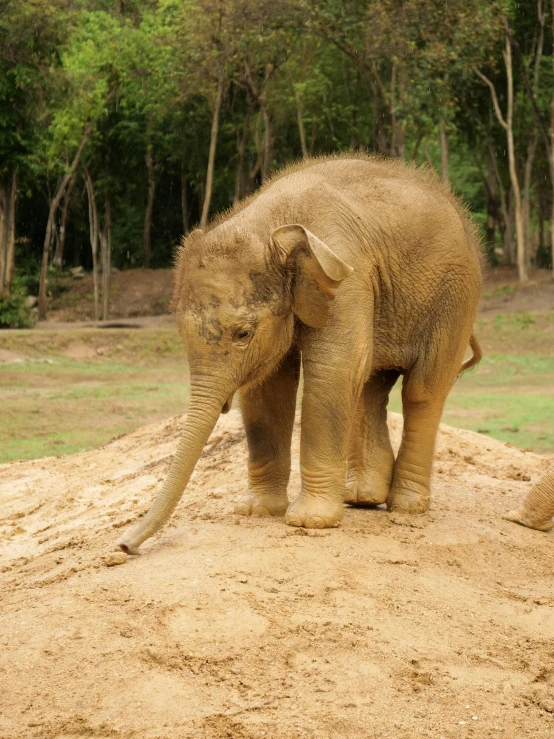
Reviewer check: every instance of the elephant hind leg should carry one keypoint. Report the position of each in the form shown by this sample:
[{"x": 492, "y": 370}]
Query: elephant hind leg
[
  {"x": 424, "y": 392},
  {"x": 371, "y": 459}
]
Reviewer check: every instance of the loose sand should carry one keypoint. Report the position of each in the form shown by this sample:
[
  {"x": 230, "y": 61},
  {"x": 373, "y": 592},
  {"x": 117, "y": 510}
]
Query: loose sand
[{"x": 439, "y": 625}]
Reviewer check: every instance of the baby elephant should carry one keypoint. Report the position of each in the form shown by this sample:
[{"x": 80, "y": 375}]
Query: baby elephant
[
  {"x": 361, "y": 268},
  {"x": 537, "y": 510}
]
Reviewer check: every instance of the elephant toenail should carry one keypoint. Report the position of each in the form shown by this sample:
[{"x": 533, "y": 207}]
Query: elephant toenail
[
  {"x": 293, "y": 521},
  {"x": 314, "y": 522}
]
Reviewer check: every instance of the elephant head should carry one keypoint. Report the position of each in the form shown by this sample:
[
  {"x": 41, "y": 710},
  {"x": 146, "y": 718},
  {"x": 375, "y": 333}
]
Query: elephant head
[{"x": 235, "y": 300}]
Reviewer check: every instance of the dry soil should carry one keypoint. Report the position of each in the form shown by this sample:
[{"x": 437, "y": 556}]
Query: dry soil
[{"x": 438, "y": 625}]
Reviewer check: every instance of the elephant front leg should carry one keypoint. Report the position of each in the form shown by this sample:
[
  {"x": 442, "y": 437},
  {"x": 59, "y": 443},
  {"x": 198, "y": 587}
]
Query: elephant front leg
[
  {"x": 370, "y": 456},
  {"x": 326, "y": 410},
  {"x": 268, "y": 412}
]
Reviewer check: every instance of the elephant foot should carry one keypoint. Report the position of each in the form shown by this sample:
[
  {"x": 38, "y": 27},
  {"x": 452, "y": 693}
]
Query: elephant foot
[
  {"x": 408, "y": 501},
  {"x": 518, "y": 516},
  {"x": 367, "y": 493},
  {"x": 315, "y": 513},
  {"x": 262, "y": 505}
]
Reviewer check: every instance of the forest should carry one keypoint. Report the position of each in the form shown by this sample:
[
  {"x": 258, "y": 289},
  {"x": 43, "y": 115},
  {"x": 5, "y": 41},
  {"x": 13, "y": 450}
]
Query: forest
[{"x": 124, "y": 123}]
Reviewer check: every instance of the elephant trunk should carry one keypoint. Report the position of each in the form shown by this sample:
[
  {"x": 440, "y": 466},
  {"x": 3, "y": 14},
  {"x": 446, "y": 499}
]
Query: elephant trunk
[{"x": 204, "y": 410}]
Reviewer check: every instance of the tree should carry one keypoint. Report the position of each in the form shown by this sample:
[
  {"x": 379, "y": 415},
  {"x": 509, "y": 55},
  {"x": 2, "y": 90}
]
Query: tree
[
  {"x": 507, "y": 123},
  {"x": 178, "y": 108},
  {"x": 88, "y": 85},
  {"x": 27, "y": 61}
]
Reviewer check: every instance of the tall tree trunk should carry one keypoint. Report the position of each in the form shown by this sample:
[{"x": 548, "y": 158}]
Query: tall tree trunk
[
  {"x": 507, "y": 124},
  {"x": 211, "y": 156},
  {"x": 444, "y": 150},
  {"x": 427, "y": 155},
  {"x": 94, "y": 237},
  {"x": 8, "y": 199},
  {"x": 184, "y": 198},
  {"x": 60, "y": 192},
  {"x": 520, "y": 236},
  {"x": 491, "y": 225},
  {"x": 3, "y": 225},
  {"x": 106, "y": 252},
  {"x": 10, "y": 240},
  {"x": 253, "y": 173},
  {"x": 492, "y": 208},
  {"x": 379, "y": 142},
  {"x": 543, "y": 210},
  {"x": 511, "y": 232},
  {"x": 526, "y": 195},
  {"x": 57, "y": 261},
  {"x": 241, "y": 149},
  {"x": 400, "y": 123},
  {"x": 504, "y": 216},
  {"x": 268, "y": 142},
  {"x": 149, "y": 205},
  {"x": 398, "y": 134},
  {"x": 300, "y": 119}
]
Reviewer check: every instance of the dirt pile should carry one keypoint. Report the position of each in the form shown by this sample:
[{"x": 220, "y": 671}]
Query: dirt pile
[{"x": 434, "y": 626}]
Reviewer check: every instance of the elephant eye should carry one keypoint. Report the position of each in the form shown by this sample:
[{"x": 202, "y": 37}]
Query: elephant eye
[{"x": 243, "y": 335}]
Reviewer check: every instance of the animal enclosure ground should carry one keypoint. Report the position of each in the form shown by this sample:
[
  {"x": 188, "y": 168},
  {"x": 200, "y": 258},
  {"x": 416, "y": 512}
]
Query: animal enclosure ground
[
  {"x": 390, "y": 627},
  {"x": 65, "y": 391}
]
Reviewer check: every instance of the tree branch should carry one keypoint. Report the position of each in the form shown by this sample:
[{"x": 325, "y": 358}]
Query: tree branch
[{"x": 494, "y": 98}]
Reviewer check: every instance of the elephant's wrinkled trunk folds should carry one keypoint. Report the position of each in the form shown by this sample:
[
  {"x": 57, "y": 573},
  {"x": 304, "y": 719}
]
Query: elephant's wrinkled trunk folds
[{"x": 204, "y": 410}]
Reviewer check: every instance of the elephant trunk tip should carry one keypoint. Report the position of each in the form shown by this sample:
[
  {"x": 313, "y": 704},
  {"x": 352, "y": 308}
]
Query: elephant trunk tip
[{"x": 126, "y": 547}]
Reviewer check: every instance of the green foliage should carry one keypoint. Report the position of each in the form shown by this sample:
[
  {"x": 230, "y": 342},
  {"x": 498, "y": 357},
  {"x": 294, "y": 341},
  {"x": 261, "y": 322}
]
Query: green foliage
[
  {"x": 59, "y": 282},
  {"x": 372, "y": 75},
  {"x": 13, "y": 313}
]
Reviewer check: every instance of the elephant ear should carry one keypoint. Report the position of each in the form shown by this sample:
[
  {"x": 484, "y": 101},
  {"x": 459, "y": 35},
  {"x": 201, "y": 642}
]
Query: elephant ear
[{"x": 317, "y": 271}]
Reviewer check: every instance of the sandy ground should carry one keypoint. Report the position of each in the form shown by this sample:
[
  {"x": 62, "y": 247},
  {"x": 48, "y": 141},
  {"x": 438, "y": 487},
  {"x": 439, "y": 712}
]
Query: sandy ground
[{"x": 431, "y": 626}]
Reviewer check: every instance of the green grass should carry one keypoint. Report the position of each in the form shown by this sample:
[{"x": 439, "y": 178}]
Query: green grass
[
  {"x": 500, "y": 291},
  {"x": 508, "y": 397},
  {"x": 55, "y": 405},
  {"x": 516, "y": 334},
  {"x": 61, "y": 405}
]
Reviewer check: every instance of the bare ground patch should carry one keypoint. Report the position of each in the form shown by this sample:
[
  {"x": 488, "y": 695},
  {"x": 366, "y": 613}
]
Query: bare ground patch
[{"x": 392, "y": 626}]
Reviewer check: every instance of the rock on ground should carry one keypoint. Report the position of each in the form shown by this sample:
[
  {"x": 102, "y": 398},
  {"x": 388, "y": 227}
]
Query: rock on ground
[{"x": 435, "y": 626}]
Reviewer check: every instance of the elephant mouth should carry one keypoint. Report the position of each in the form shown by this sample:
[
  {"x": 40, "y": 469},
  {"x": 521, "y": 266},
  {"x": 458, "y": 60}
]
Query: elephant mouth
[{"x": 227, "y": 405}]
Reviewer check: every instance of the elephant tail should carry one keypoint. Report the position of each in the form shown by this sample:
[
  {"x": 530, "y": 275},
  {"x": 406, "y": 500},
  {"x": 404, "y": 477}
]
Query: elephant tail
[{"x": 477, "y": 354}]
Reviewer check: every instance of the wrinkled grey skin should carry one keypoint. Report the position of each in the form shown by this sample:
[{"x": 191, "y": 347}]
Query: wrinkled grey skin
[{"x": 364, "y": 270}]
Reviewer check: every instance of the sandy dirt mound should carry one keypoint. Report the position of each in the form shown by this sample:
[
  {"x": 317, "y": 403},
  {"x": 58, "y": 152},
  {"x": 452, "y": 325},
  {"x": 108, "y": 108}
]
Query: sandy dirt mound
[{"x": 429, "y": 626}]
